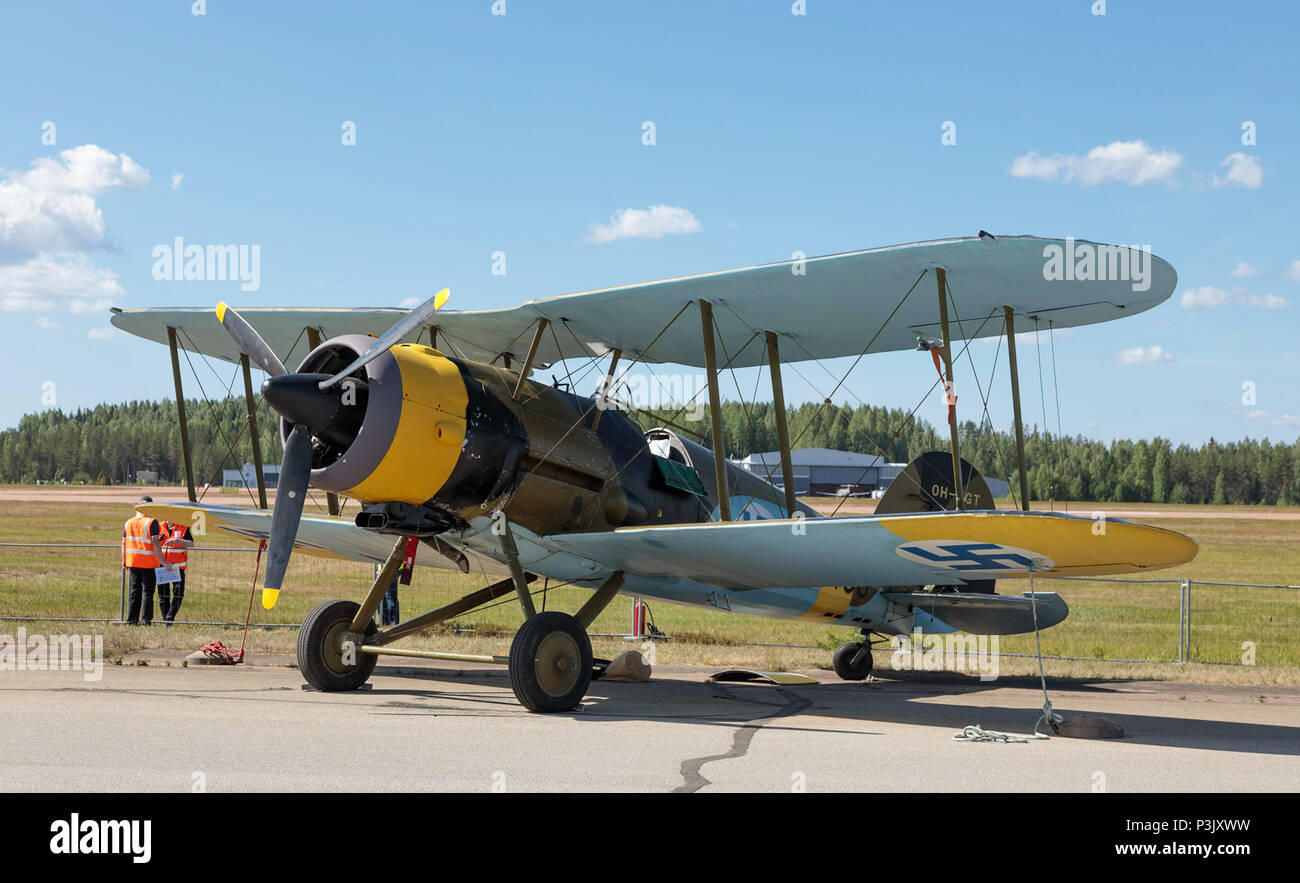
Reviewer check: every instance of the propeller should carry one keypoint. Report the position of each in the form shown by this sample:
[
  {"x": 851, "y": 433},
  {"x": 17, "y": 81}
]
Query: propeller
[
  {"x": 291, "y": 490},
  {"x": 250, "y": 341},
  {"x": 382, "y": 344},
  {"x": 303, "y": 400}
]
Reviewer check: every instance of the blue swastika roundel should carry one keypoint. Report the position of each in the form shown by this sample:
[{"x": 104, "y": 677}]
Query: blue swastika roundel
[{"x": 965, "y": 556}]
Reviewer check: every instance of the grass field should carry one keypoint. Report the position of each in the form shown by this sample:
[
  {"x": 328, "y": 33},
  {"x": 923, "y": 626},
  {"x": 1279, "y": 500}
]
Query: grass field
[{"x": 1108, "y": 622}]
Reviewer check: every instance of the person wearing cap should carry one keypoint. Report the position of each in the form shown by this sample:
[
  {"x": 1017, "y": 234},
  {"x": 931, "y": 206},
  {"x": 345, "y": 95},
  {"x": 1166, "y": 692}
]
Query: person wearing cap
[{"x": 141, "y": 553}]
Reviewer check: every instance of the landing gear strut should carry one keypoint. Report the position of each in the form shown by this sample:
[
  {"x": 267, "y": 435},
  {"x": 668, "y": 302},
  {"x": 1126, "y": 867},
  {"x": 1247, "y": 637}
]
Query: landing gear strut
[
  {"x": 852, "y": 661},
  {"x": 550, "y": 662}
]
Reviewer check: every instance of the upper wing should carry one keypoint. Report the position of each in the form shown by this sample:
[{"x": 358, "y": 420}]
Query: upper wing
[
  {"x": 824, "y": 307},
  {"x": 936, "y": 548}
]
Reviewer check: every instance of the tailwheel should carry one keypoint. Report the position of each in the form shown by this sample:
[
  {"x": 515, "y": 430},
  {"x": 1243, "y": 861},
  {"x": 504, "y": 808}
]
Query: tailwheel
[
  {"x": 550, "y": 662},
  {"x": 321, "y": 656},
  {"x": 852, "y": 661}
]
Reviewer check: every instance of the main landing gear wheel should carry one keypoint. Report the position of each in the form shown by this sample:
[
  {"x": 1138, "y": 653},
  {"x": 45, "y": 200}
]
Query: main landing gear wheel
[
  {"x": 843, "y": 662},
  {"x": 320, "y": 648},
  {"x": 550, "y": 662}
]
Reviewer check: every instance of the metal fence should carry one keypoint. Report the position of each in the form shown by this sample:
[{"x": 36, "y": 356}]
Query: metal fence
[
  {"x": 86, "y": 583},
  {"x": 1120, "y": 620}
]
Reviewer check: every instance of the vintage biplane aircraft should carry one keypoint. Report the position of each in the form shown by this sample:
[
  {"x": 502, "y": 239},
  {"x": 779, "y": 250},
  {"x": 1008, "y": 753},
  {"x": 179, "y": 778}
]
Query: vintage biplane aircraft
[{"x": 453, "y": 441}]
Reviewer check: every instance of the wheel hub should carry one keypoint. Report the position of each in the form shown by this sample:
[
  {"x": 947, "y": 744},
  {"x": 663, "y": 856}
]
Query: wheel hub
[
  {"x": 557, "y": 662},
  {"x": 332, "y": 646}
]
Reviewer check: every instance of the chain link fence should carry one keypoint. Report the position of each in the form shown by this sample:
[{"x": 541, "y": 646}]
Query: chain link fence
[
  {"x": 86, "y": 583},
  {"x": 1133, "y": 620}
]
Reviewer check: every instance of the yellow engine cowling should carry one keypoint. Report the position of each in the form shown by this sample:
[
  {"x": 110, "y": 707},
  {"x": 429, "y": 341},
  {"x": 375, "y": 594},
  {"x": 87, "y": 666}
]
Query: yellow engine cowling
[{"x": 413, "y": 429}]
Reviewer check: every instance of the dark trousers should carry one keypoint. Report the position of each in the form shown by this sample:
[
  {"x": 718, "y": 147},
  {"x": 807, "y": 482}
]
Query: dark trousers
[
  {"x": 389, "y": 612},
  {"x": 140, "y": 584},
  {"x": 170, "y": 596}
]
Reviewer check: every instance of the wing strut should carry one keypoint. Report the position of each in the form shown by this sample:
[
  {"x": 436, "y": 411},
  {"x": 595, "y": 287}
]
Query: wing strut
[
  {"x": 946, "y": 351},
  {"x": 715, "y": 413},
  {"x": 528, "y": 360},
  {"x": 180, "y": 412},
  {"x": 251, "y": 407},
  {"x": 602, "y": 398},
  {"x": 1015, "y": 405},
  {"x": 782, "y": 432}
]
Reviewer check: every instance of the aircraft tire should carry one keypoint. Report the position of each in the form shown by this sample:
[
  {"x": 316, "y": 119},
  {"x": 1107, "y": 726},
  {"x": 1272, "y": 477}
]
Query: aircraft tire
[
  {"x": 320, "y": 651},
  {"x": 842, "y": 662},
  {"x": 550, "y": 663}
]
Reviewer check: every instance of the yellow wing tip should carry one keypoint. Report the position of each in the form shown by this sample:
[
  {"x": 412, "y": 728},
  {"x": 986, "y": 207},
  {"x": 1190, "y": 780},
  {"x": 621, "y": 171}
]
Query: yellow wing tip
[
  {"x": 269, "y": 597},
  {"x": 221, "y": 312}
]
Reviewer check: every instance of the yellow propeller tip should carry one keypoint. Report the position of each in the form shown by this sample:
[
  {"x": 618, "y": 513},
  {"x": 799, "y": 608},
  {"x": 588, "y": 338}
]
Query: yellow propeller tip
[
  {"x": 221, "y": 312},
  {"x": 269, "y": 597},
  {"x": 441, "y": 298}
]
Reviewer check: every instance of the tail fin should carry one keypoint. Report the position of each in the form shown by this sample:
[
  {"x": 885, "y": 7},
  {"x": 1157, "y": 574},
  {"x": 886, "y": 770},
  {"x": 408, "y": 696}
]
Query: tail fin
[{"x": 926, "y": 485}]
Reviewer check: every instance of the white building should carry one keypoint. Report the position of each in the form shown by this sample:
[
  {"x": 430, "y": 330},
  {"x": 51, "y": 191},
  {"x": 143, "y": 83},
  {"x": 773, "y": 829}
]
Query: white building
[
  {"x": 247, "y": 477},
  {"x": 825, "y": 472}
]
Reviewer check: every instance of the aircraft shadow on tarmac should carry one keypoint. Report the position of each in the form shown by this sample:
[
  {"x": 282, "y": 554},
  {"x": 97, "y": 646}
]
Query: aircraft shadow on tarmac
[{"x": 897, "y": 698}]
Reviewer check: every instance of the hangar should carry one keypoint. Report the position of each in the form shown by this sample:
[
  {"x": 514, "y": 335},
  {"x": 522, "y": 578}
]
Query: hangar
[{"x": 824, "y": 472}]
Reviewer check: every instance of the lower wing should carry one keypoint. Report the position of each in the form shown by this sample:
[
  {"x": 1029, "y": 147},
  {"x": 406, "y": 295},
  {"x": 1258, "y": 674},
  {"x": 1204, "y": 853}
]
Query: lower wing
[
  {"x": 320, "y": 535},
  {"x": 934, "y": 548}
]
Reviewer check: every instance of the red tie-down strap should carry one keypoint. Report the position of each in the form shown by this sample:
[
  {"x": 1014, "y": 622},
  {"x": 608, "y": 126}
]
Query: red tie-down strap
[
  {"x": 408, "y": 559},
  {"x": 219, "y": 652},
  {"x": 949, "y": 397}
]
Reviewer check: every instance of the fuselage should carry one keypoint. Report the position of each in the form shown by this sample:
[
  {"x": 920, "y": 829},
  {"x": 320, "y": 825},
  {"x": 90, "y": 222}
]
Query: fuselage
[{"x": 441, "y": 447}]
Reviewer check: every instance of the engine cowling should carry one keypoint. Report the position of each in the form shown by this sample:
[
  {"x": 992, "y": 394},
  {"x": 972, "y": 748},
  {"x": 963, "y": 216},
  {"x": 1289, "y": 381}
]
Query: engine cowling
[{"x": 410, "y": 427}]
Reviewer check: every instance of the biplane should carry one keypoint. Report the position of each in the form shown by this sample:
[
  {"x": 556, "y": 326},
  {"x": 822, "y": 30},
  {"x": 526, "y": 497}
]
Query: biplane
[{"x": 434, "y": 422}]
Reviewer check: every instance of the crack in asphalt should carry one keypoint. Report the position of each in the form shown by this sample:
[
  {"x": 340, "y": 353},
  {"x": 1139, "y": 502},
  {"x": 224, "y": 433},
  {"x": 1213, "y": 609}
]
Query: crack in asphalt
[{"x": 693, "y": 780}]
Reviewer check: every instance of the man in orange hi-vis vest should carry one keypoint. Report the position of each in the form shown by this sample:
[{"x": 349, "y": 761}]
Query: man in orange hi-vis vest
[
  {"x": 141, "y": 553},
  {"x": 176, "y": 541}
]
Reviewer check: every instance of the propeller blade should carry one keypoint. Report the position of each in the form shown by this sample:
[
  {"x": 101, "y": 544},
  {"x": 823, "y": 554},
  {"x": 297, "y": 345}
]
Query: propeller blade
[
  {"x": 290, "y": 493},
  {"x": 249, "y": 340},
  {"x": 384, "y": 342}
]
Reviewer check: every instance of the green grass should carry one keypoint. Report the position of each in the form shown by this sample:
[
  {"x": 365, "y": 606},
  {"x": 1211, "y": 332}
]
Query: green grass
[{"x": 1108, "y": 621}]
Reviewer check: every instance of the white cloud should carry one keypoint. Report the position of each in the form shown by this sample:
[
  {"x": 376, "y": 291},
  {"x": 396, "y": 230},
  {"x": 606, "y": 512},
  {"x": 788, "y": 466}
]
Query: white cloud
[
  {"x": 102, "y": 333},
  {"x": 49, "y": 224},
  {"x": 1244, "y": 270},
  {"x": 410, "y": 302},
  {"x": 1131, "y": 162},
  {"x": 652, "y": 223},
  {"x": 1275, "y": 419},
  {"x": 177, "y": 177},
  {"x": 47, "y": 322},
  {"x": 1140, "y": 355},
  {"x": 1208, "y": 297},
  {"x": 51, "y": 207},
  {"x": 1293, "y": 270},
  {"x": 47, "y": 283},
  {"x": 1243, "y": 171}
]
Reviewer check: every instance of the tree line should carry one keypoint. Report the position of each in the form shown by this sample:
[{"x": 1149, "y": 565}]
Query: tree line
[
  {"x": 111, "y": 444},
  {"x": 1060, "y": 467}
]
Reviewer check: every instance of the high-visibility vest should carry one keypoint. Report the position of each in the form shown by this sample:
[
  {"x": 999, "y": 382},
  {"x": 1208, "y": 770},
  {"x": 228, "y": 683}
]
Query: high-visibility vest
[
  {"x": 137, "y": 550},
  {"x": 179, "y": 557}
]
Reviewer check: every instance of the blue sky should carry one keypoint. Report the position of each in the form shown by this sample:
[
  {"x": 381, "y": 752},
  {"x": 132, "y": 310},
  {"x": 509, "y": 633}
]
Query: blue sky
[{"x": 821, "y": 132}]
